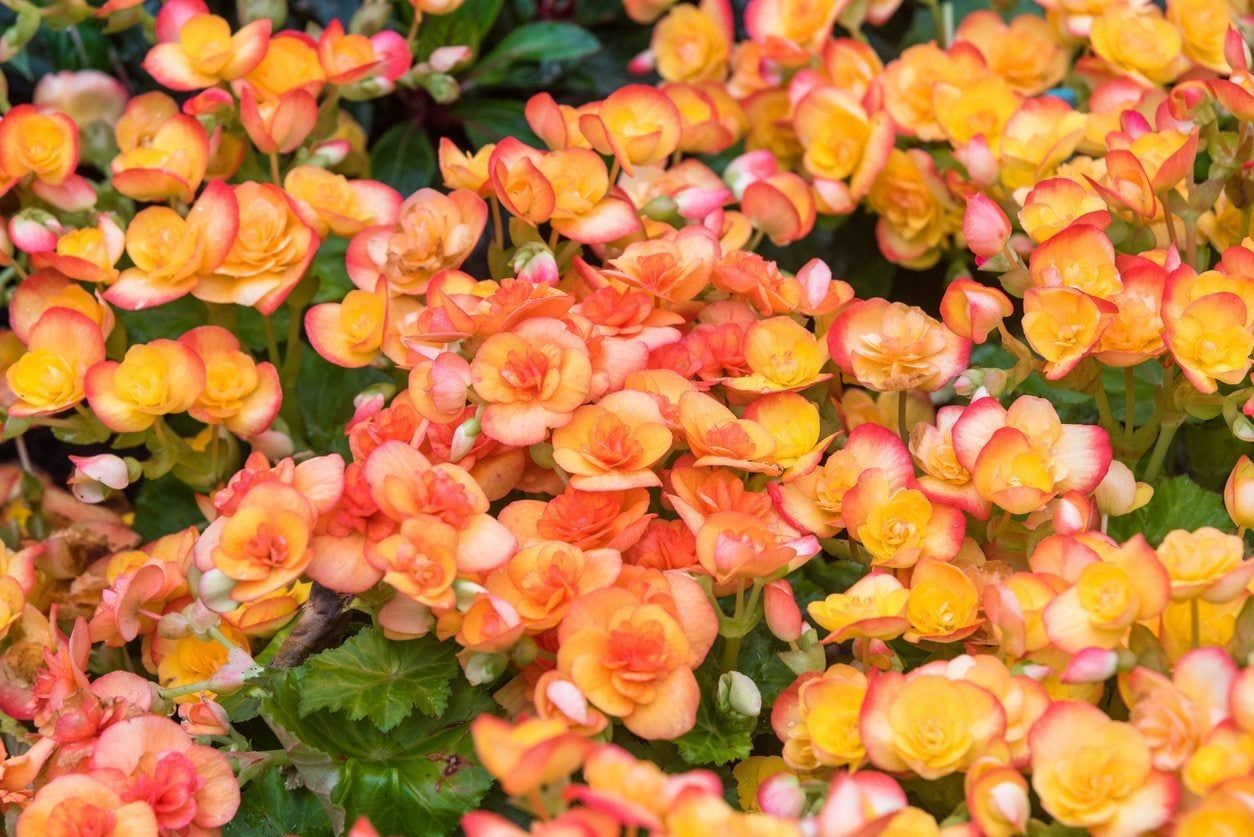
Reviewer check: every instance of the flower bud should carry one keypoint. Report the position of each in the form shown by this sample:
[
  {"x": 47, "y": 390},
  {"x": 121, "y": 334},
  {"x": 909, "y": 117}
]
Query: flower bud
[
  {"x": 783, "y": 616},
  {"x": 370, "y": 18},
  {"x": 464, "y": 438},
  {"x": 781, "y": 796},
  {"x": 972, "y": 310},
  {"x": 542, "y": 455},
  {"x": 443, "y": 88},
  {"x": 239, "y": 667},
  {"x": 986, "y": 227},
  {"x": 534, "y": 263},
  {"x": 1092, "y": 665},
  {"x": 739, "y": 694},
  {"x": 1239, "y": 493},
  {"x": 483, "y": 667},
  {"x": 214, "y": 589},
  {"x": 96, "y": 477},
  {"x": 524, "y": 651},
  {"x": 1119, "y": 493},
  {"x": 467, "y": 593},
  {"x": 204, "y": 717},
  {"x": 275, "y": 443},
  {"x": 35, "y": 231}
]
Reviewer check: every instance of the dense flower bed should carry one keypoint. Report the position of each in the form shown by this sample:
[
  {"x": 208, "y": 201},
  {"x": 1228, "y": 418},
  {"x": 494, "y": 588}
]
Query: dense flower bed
[{"x": 839, "y": 426}]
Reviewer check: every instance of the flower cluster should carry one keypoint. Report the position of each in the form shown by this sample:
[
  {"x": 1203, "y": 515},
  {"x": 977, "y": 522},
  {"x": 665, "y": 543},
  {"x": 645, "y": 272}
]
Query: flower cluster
[{"x": 573, "y": 474}]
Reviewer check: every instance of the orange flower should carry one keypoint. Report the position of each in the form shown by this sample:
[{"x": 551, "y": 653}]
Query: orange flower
[
  {"x": 1092, "y": 772},
  {"x": 928, "y": 724},
  {"x": 693, "y": 43},
  {"x": 50, "y": 376},
  {"x": 1212, "y": 340},
  {"x": 717, "y": 437},
  {"x": 532, "y": 379},
  {"x": 544, "y": 578},
  {"x": 342, "y": 206},
  {"x": 944, "y": 603},
  {"x": 1059, "y": 203},
  {"x": 349, "y": 333},
  {"x": 528, "y": 755},
  {"x": 433, "y": 232},
  {"x": 44, "y": 145},
  {"x": 637, "y": 125},
  {"x": 172, "y": 253},
  {"x": 1064, "y": 325},
  {"x": 874, "y": 607},
  {"x": 892, "y": 346},
  {"x": 239, "y": 393},
  {"x": 153, "y": 380},
  {"x": 263, "y": 545},
  {"x": 290, "y": 63},
  {"x": 87, "y": 253},
  {"x": 197, "y": 50},
  {"x": 271, "y": 252},
  {"x": 672, "y": 269},
  {"x": 634, "y": 661},
  {"x": 613, "y": 444},
  {"x": 817, "y": 719},
  {"x": 1025, "y": 52},
  {"x": 420, "y": 561},
  {"x": 163, "y": 154}
]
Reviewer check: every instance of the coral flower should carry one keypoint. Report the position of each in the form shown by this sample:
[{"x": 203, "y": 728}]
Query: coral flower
[
  {"x": 892, "y": 346},
  {"x": 186, "y": 784},
  {"x": 717, "y": 437},
  {"x": 633, "y": 660},
  {"x": 532, "y": 379},
  {"x": 42, "y": 144},
  {"x": 433, "y": 232},
  {"x": 342, "y": 206},
  {"x": 544, "y": 578},
  {"x": 264, "y": 544},
  {"x": 77, "y": 803},
  {"x": 736, "y": 548},
  {"x": 817, "y": 719}
]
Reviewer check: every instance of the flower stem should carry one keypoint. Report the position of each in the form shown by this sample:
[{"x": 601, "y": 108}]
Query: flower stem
[
  {"x": 901, "y": 417},
  {"x": 272, "y": 345},
  {"x": 1129, "y": 396},
  {"x": 1165, "y": 434}
]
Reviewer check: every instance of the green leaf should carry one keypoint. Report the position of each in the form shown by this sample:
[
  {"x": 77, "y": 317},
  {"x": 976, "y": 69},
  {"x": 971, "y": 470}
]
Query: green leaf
[
  {"x": 539, "y": 41},
  {"x": 467, "y": 26},
  {"x": 717, "y": 737},
  {"x": 1178, "y": 503},
  {"x": 268, "y": 808},
  {"x": 760, "y": 662},
  {"x": 488, "y": 120},
  {"x": 331, "y": 271},
  {"x": 416, "y": 779},
  {"x": 391, "y": 794},
  {"x": 326, "y": 399},
  {"x": 163, "y": 506},
  {"x": 370, "y": 676},
  {"x": 171, "y": 320},
  {"x": 403, "y": 158}
]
